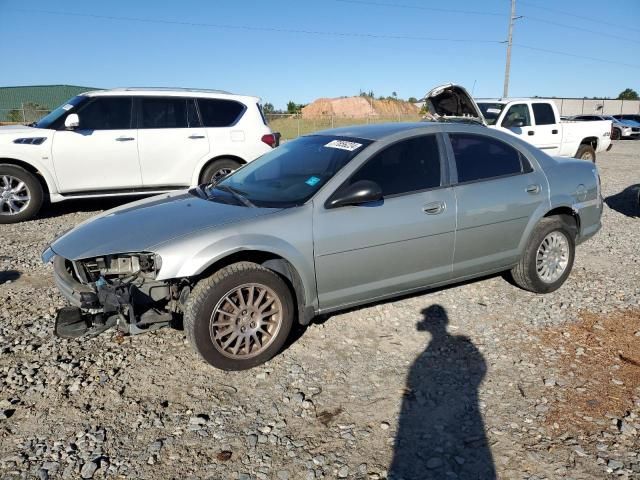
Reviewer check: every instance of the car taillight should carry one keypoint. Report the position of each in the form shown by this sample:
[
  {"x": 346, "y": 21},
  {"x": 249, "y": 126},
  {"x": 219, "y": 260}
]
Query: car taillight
[{"x": 270, "y": 139}]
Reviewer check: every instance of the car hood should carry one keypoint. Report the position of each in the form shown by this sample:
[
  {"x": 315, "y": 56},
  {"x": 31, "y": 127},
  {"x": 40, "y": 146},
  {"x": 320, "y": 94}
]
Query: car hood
[
  {"x": 9, "y": 133},
  {"x": 138, "y": 226},
  {"x": 452, "y": 102}
]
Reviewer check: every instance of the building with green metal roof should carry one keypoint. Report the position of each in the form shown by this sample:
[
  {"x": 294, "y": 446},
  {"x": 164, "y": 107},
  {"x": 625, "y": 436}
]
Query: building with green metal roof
[{"x": 47, "y": 97}]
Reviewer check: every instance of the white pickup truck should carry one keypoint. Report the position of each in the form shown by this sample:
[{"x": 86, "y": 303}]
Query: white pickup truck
[{"x": 534, "y": 120}]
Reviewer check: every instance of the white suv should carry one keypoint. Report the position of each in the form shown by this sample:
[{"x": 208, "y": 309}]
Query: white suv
[{"x": 128, "y": 141}]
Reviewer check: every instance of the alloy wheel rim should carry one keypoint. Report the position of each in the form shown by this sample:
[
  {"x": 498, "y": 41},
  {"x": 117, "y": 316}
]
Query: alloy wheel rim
[
  {"x": 552, "y": 257},
  {"x": 220, "y": 174},
  {"x": 14, "y": 195},
  {"x": 246, "y": 321}
]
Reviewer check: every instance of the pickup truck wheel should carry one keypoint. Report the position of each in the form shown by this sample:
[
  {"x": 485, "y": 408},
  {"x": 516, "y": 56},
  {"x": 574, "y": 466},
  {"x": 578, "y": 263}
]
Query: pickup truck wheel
[
  {"x": 21, "y": 194},
  {"x": 586, "y": 152},
  {"x": 615, "y": 134},
  {"x": 548, "y": 257},
  {"x": 218, "y": 170},
  {"x": 239, "y": 317}
]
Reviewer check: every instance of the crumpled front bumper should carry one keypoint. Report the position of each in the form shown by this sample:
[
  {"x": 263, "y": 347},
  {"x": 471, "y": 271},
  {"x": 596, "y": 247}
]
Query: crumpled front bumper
[{"x": 76, "y": 293}]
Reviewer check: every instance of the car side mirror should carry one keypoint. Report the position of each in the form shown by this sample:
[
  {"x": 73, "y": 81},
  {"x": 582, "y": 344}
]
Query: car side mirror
[
  {"x": 72, "y": 121},
  {"x": 362, "y": 191}
]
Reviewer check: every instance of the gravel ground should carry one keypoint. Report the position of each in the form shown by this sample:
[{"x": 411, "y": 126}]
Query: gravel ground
[{"x": 465, "y": 382}]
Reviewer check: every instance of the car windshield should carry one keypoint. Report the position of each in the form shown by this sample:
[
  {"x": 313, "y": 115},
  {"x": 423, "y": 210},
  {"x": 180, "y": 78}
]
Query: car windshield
[
  {"x": 48, "y": 120},
  {"x": 491, "y": 111},
  {"x": 292, "y": 173}
]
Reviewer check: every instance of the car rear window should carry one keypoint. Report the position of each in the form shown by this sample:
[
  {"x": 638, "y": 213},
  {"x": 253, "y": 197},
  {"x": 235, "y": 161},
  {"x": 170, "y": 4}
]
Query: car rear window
[{"x": 220, "y": 113}]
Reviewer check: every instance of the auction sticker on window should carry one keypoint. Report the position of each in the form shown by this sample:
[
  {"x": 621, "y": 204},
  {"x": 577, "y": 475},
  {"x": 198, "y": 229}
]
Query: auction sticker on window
[
  {"x": 343, "y": 145},
  {"x": 67, "y": 107}
]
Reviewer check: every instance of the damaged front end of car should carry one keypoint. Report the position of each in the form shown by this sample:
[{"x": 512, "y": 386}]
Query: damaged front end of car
[{"x": 117, "y": 290}]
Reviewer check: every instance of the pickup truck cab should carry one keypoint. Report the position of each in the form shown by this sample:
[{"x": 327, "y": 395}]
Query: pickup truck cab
[
  {"x": 128, "y": 142},
  {"x": 535, "y": 121}
]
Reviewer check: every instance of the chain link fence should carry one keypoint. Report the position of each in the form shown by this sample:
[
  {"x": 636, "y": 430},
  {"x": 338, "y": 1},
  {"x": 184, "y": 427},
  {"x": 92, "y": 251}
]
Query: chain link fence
[
  {"x": 22, "y": 115},
  {"x": 292, "y": 126}
]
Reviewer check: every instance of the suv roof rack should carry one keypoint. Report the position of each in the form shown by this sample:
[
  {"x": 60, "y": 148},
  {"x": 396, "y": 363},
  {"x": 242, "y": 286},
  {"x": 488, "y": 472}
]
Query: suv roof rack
[{"x": 168, "y": 89}]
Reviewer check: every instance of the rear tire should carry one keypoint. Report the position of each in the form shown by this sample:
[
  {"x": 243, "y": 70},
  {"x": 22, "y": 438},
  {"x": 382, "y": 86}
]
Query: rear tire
[
  {"x": 243, "y": 307},
  {"x": 21, "y": 194},
  {"x": 586, "y": 152},
  {"x": 218, "y": 169},
  {"x": 552, "y": 242}
]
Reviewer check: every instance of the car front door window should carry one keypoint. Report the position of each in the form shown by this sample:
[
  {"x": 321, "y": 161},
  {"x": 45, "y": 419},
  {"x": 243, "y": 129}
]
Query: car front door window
[
  {"x": 517, "y": 116},
  {"x": 106, "y": 113}
]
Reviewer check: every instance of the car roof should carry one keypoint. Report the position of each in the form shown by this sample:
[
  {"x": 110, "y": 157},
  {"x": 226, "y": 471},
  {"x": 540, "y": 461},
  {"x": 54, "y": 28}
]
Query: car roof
[
  {"x": 169, "y": 92},
  {"x": 379, "y": 130}
]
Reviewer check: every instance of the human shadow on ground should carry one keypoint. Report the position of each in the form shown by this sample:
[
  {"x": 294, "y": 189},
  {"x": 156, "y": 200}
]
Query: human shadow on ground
[
  {"x": 9, "y": 276},
  {"x": 626, "y": 202},
  {"x": 441, "y": 433}
]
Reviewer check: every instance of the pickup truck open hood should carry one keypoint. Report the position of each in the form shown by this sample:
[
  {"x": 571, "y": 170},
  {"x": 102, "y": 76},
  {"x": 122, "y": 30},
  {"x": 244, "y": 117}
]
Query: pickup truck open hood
[{"x": 450, "y": 102}]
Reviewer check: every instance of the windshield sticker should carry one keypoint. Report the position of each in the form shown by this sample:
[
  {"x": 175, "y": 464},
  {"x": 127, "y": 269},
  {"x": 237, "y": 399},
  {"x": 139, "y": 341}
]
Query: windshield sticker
[
  {"x": 312, "y": 181},
  {"x": 493, "y": 110},
  {"x": 343, "y": 145},
  {"x": 67, "y": 107}
]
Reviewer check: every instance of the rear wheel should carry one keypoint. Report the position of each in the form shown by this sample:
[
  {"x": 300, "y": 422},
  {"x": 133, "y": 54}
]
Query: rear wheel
[
  {"x": 239, "y": 317},
  {"x": 21, "y": 194},
  {"x": 548, "y": 257},
  {"x": 586, "y": 152},
  {"x": 219, "y": 169}
]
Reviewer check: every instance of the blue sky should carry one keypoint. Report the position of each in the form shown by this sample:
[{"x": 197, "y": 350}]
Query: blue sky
[{"x": 46, "y": 48}]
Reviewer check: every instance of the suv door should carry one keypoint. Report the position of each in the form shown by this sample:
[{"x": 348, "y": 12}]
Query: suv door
[
  {"x": 497, "y": 191},
  {"x": 171, "y": 140},
  {"x": 401, "y": 243},
  {"x": 548, "y": 135},
  {"x": 102, "y": 153}
]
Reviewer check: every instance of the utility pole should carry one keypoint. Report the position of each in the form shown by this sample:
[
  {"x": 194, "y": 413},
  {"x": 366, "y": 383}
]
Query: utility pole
[{"x": 512, "y": 18}]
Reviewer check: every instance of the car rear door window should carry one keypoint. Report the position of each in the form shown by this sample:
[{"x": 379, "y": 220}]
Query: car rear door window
[
  {"x": 543, "y": 113},
  {"x": 219, "y": 113},
  {"x": 163, "y": 112},
  {"x": 479, "y": 157},
  {"x": 407, "y": 166},
  {"x": 106, "y": 113}
]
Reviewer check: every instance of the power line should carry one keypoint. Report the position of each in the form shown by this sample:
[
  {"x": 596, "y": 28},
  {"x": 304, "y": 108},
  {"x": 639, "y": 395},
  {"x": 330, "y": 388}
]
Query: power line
[
  {"x": 308, "y": 32},
  {"x": 581, "y": 17},
  {"x": 260, "y": 29},
  {"x": 419, "y": 7},
  {"x": 613, "y": 62},
  {"x": 564, "y": 25}
]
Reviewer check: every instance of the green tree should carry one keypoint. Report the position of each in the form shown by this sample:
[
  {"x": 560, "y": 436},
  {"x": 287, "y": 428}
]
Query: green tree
[
  {"x": 628, "y": 94},
  {"x": 268, "y": 108},
  {"x": 412, "y": 100},
  {"x": 394, "y": 94},
  {"x": 293, "y": 107}
]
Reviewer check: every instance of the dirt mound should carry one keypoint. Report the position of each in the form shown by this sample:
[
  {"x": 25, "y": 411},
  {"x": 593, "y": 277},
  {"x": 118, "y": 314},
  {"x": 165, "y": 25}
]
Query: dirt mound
[{"x": 358, "y": 107}]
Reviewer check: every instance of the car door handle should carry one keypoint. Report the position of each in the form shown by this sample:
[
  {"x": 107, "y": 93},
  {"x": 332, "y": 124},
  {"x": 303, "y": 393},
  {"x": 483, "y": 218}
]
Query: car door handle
[
  {"x": 533, "y": 189},
  {"x": 124, "y": 139},
  {"x": 193, "y": 137},
  {"x": 531, "y": 132},
  {"x": 434, "y": 208},
  {"x": 555, "y": 132}
]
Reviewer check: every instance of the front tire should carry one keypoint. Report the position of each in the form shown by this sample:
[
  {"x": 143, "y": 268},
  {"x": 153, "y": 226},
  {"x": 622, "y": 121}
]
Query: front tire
[
  {"x": 548, "y": 257},
  {"x": 239, "y": 317},
  {"x": 616, "y": 134},
  {"x": 586, "y": 152},
  {"x": 21, "y": 194}
]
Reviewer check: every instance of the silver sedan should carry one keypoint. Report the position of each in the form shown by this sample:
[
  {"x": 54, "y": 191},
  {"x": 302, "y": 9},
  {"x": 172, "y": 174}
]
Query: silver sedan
[{"x": 331, "y": 220}]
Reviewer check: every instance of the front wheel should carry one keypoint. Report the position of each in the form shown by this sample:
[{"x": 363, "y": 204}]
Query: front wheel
[
  {"x": 615, "y": 134},
  {"x": 239, "y": 317},
  {"x": 586, "y": 152},
  {"x": 21, "y": 194},
  {"x": 548, "y": 257}
]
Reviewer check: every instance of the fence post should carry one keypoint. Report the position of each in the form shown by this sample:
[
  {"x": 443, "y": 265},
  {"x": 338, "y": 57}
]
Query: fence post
[
  {"x": 24, "y": 115},
  {"x": 298, "y": 118}
]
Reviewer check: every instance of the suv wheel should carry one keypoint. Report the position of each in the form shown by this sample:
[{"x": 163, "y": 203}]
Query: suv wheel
[
  {"x": 548, "y": 257},
  {"x": 616, "y": 134},
  {"x": 218, "y": 169},
  {"x": 21, "y": 194},
  {"x": 239, "y": 317}
]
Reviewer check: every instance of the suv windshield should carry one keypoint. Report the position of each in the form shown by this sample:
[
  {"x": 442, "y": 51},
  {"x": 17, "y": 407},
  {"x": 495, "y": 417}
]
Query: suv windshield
[
  {"x": 491, "y": 111},
  {"x": 48, "y": 120},
  {"x": 292, "y": 173}
]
